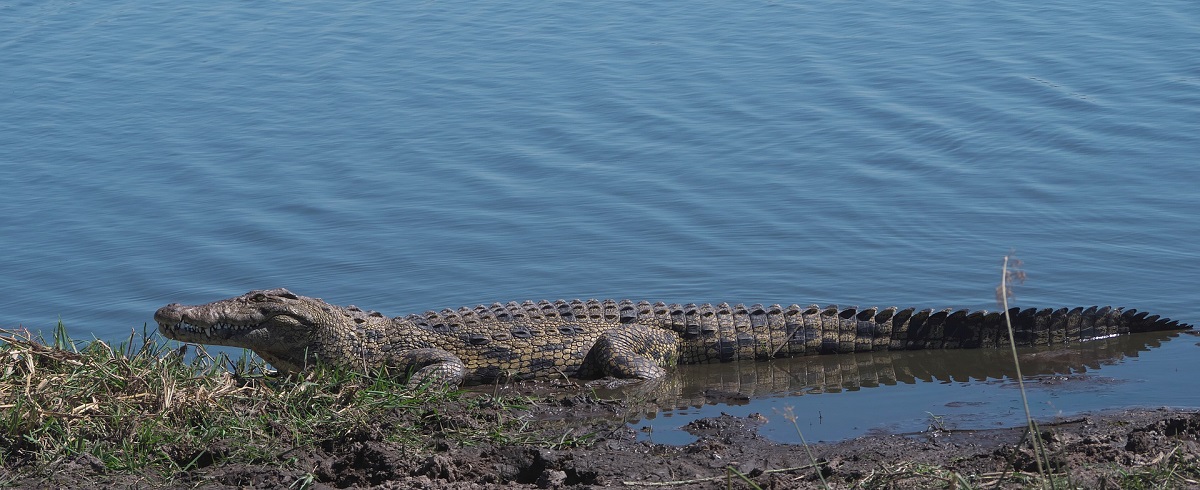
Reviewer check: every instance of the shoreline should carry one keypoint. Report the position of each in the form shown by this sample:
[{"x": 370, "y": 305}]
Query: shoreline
[{"x": 91, "y": 415}]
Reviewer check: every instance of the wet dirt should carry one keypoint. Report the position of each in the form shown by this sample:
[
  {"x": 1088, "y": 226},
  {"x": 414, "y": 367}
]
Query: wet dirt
[{"x": 1094, "y": 451}]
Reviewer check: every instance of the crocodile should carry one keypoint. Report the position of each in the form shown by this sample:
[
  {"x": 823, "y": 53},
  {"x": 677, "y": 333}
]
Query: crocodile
[{"x": 605, "y": 338}]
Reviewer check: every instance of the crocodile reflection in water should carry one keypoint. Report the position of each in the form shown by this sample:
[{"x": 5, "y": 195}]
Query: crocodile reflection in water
[{"x": 731, "y": 384}]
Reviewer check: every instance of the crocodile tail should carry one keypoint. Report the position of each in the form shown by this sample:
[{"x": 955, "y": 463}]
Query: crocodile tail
[
  {"x": 928, "y": 329},
  {"x": 832, "y": 329},
  {"x": 724, "y": 333}
]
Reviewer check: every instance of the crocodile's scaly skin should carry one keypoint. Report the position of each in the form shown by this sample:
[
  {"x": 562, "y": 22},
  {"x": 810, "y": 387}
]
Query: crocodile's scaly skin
[{"x": 623, "y": 339}]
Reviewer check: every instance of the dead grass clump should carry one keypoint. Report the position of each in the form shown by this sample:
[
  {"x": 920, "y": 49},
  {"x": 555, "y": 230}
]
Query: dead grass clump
[{"x": 143, "y": 406}]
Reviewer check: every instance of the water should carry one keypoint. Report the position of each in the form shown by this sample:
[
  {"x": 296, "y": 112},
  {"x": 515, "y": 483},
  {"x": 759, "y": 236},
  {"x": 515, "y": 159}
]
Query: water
[
  {"x": 409, "y": 156},
  {"x": 922, "y": 392}
]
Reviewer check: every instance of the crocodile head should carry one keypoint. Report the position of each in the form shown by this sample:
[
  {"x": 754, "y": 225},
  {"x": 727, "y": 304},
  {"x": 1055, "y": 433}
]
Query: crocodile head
[{"x": 285, "y": 329}]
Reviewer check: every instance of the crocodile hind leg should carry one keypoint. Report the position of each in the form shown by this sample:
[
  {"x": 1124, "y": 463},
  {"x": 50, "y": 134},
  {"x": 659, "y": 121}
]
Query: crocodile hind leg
[
  {"x": 430, "y": 366},
  {"x": 634, "y": 352}
]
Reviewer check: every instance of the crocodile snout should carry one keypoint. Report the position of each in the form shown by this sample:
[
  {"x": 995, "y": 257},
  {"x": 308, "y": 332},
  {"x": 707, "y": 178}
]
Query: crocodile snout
[{"x": 169, "y": 314}]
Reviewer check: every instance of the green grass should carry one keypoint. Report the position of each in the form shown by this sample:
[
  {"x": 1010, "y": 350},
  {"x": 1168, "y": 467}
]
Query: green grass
[
  {"x": 1172, "y": 470},
  {"x": 144, "y": 407}
]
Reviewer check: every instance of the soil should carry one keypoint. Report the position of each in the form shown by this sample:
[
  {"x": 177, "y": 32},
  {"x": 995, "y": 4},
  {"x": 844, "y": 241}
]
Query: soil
[{"x": 1093, "y": 451}]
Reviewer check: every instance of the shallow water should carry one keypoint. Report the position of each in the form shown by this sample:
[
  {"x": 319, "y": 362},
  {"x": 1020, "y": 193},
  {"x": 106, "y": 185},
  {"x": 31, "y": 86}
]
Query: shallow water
[
  {"x": 918, "y": 392},
  {"x": 423, "y": 155}
]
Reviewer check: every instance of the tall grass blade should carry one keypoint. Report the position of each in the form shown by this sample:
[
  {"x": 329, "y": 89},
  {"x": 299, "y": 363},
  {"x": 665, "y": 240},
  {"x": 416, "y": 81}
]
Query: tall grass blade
[{"x": 1039, "y": 450}]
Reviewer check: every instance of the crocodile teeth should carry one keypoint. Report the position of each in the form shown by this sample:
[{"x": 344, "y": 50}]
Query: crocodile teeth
[{"x": 208, "y": 330}]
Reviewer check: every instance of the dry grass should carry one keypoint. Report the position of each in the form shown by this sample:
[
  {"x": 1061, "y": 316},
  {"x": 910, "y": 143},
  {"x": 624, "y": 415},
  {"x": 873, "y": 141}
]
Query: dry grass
[{"x": 144, "y": 407}]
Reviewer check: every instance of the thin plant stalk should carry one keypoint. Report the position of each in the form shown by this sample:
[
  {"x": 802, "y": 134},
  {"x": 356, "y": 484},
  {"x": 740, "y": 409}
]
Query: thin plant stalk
[
  {"x": 791, "y": 416},
  {"x": 1039, "y": 451}
]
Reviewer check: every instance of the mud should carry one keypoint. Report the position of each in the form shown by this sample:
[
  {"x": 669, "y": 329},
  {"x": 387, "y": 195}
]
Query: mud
[{"x": 596, "y": 450}]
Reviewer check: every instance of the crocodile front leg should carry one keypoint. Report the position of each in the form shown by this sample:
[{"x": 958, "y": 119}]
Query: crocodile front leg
[
  {"x": 633, "y": 352},
  {"x": 431, "y": 366}
]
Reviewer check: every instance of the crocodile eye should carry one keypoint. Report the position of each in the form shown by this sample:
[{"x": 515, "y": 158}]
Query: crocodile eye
[{"x": 258, "y": 298}]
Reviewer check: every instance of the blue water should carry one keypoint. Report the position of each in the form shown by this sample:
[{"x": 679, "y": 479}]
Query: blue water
[
  {"x": 404, "y": 156},
  {"x": 922, "y": 392}
]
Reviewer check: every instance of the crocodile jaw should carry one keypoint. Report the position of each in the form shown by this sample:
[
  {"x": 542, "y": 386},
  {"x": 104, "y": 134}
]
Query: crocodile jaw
[
  {"x": 214, "y": 323},
  {"x": 267, "y": 322},
  {"x": 219, "y": 333}
]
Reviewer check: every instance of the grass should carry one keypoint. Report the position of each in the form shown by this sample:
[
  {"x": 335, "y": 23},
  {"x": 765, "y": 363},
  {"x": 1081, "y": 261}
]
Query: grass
[
  {"x": 144, "y": 407},
  {"x": 1173, "y": 470}
]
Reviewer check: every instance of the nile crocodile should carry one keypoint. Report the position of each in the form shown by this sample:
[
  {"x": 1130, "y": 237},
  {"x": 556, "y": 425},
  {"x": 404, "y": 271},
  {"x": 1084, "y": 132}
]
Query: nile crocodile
[{"x": 588, "y": 339}]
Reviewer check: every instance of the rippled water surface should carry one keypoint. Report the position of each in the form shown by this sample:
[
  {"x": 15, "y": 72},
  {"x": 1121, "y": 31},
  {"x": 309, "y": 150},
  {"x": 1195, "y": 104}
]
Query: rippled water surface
[
  {"x": 404, "y": 156},
  {"x": 924, "y": 392}
]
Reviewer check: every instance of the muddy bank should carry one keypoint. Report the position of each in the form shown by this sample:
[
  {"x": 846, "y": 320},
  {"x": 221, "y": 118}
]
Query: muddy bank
[{"x": 1126, "y": 449}]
